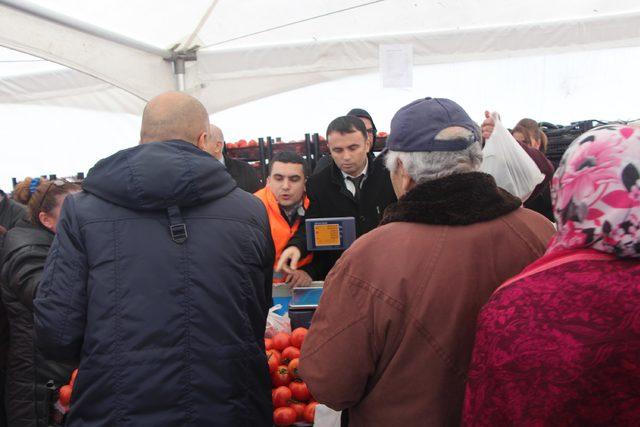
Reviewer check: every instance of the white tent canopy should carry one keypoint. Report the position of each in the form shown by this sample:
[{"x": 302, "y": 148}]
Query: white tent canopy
[{"x": 119, "y": 51}]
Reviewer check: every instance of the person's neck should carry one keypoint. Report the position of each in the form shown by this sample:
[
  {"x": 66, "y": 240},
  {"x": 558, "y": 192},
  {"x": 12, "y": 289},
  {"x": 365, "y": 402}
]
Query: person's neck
[
  {"x": 364, "y": 168},
  {"x": 289, "y": 210}
]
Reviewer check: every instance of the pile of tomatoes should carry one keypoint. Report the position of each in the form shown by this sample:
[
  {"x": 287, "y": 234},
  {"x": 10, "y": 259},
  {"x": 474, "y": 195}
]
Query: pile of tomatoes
[{"x": 292, "y": 401}]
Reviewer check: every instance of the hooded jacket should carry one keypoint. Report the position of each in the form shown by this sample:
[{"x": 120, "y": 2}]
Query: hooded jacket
[
  {"x": 24, "y": 253},
  {"x": 158, "y": 284}
]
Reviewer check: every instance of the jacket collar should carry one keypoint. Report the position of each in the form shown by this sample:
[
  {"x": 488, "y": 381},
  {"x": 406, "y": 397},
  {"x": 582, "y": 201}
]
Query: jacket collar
[
  {"x": 460, "y": 199},
  {"x": 338, "y": 179}
]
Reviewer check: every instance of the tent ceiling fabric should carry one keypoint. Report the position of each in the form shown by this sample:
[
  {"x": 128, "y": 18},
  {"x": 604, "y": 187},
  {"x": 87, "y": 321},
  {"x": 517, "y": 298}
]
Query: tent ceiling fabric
[
  {"x": 255, "y": 48},
  {"x": 140, "y": 73}
]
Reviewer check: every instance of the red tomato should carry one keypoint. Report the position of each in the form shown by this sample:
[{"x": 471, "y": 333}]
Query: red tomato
[
  {"x": 290, "y": 353},
  {"x": 231, "y": 145},
  {"x": 297, "y": 337},
  {"x": 253, "y": 143},
  {"x": 273, "y": 360},
  {"x": 293, "y": 369},
  {"x": 65, "y": 395},
  {"x": 300, "y": 391},
  {"x": 268, "y": 343},
  {"x": 281, "y": 396},
  {"x": 281, "y": 341},
  {"x": 280, "y": 376},
  {"x": 382, "y": 134},
  {"x": 241, "y": 143},
  {"x": 284, "y": 416},
  {"x": 299, "y": 408},
  {"x": 74, "y": 374},
  {"x": 310, "y": 412},
  {"x": 275, "y": 353}
]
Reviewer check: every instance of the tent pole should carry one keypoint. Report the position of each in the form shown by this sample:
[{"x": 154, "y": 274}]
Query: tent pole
[
  {"x": 66, "y": 21},
  {"x": 178, "y": 70},
  {"x": 178, "y": 59}
]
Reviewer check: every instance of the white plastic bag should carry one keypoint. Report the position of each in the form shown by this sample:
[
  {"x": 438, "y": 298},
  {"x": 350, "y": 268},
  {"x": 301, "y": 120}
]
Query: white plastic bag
[
  {"x": 509, "y": 163},
  {"x": 277, "y": 323},
  {"x": 326, "y": 417}
]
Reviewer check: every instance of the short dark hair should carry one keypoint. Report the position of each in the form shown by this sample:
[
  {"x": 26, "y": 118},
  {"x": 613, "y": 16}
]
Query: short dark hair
[
  {"x": 347, "y": 124},
  {"x": 289, "y": 157}
]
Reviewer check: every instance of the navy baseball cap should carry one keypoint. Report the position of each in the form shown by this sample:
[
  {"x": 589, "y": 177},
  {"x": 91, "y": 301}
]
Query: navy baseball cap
[{"x": 415, "y": 126}]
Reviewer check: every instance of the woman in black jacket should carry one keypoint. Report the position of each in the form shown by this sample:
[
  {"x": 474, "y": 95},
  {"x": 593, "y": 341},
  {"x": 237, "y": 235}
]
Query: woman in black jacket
[{"x": 24, "y": 254}]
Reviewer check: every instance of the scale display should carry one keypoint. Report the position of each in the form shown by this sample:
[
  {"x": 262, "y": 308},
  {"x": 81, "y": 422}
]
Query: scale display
[{"x": 330, "y": 234}]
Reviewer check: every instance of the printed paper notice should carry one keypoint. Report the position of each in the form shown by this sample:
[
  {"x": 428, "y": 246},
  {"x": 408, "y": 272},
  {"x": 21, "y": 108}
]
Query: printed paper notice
[
  {"x": 327, "y": 234},
  {"x": 396, "y": 65}
]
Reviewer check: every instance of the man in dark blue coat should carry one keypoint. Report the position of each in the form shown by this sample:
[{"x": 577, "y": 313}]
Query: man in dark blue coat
[{"x": 158, "y": 284}]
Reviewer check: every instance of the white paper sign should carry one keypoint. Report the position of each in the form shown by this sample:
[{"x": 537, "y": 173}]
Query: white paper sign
[{"x": 396, "y": 65}]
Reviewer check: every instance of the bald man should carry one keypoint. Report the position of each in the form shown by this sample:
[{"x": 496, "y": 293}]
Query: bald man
[
  {"x": 159, "y": 283},
  {"x": 240, "y": 171}
]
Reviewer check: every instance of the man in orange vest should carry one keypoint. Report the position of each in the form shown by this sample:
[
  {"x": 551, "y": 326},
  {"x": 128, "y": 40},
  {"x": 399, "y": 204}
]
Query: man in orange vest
[{"x": 286, "y": 202}]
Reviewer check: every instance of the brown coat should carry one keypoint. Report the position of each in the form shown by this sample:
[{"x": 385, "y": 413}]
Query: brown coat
[{"x": 393, "y": 334}]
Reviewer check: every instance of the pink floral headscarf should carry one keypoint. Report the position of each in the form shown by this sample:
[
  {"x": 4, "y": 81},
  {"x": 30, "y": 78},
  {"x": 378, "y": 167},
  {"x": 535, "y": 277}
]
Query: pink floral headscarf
[{"x": 596, "y": 193}]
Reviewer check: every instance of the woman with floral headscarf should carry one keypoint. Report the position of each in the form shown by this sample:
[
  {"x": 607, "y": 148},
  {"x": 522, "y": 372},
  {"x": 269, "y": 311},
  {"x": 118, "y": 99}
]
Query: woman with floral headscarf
[{"x": 560, "y": 343}]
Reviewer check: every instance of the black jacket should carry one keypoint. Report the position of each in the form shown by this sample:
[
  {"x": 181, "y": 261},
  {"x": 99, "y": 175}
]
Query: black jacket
[
  {"x": 10, "y": 212},
  {"x": 542, "y": 203},
  {"x": 25, "y": 251},
  {"x": 329, "y": 197},
  {"x": 244, "y": 174},
  {"x": 159, "y": 284}
]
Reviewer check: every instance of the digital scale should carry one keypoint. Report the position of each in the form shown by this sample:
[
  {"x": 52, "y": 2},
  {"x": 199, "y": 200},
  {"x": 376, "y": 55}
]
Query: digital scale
[
  {"x": 330, "y": 234},
  {"x": 304, "y": 301}
]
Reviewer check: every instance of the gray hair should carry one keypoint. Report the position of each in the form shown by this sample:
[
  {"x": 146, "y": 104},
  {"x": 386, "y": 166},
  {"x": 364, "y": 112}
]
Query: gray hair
[{"x": 431, "y": 165}]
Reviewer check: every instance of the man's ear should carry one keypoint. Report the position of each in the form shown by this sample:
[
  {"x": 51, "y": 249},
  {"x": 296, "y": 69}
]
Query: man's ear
[
  {"x": 47, "y": 221},
  {"x": 218, "y": 147},
  {"x": 367, "y": 145},
  {"x": 407, "y": 182},
  {"x": 201, "y": 143}
]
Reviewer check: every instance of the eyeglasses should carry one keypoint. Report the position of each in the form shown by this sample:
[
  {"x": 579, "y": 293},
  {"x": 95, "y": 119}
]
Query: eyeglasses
[{"x": 57, "y": 183}]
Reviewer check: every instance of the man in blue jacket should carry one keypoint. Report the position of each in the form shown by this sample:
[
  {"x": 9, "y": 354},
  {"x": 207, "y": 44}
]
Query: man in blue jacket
[{"x": 158, "y": 284}]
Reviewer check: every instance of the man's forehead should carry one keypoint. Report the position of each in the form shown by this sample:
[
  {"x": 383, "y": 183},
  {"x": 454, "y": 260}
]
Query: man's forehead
[
  {"x": 287, "y": 169},
  {"x": 346, "y": 139},
  {"x": 368, "y": 123}
]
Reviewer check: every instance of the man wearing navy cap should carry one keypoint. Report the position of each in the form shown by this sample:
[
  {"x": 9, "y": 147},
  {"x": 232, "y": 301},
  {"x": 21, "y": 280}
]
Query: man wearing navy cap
[
  {"x": 391, "y": 340},
  {"x": 355, "y": 184}
]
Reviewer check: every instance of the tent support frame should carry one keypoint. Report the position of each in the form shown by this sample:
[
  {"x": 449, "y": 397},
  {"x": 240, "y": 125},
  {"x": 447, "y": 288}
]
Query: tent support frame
[{"x": 66, "y": 21}]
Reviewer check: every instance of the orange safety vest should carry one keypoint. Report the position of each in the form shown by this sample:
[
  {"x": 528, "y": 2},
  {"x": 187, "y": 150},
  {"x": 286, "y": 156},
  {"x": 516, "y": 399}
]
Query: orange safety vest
[{"x": 281, "y": 231}]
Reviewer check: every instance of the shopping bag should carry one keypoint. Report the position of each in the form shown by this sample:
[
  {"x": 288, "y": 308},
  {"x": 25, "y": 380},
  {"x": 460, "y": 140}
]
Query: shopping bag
[
  {"x": 326, "y": 417},
  {"x": 508, "y": 163},
  {"x": 277, "y": 323}
]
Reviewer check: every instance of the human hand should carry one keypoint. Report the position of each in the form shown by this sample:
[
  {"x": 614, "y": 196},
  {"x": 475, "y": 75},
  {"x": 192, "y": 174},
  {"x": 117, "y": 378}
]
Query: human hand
[
  {"x": 487, "y": 125},
  {"x": 2, "y": 230},
  {"x": 288, "y": 261},
  {"x": 299, "y": 278}
]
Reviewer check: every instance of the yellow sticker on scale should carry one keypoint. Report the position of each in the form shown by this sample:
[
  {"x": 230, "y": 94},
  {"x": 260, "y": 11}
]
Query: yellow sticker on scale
[{"x": 327, "y": 234}]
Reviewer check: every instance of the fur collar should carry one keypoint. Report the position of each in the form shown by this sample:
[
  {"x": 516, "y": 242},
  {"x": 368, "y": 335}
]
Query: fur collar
[{"x": 460, "y": 199}]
